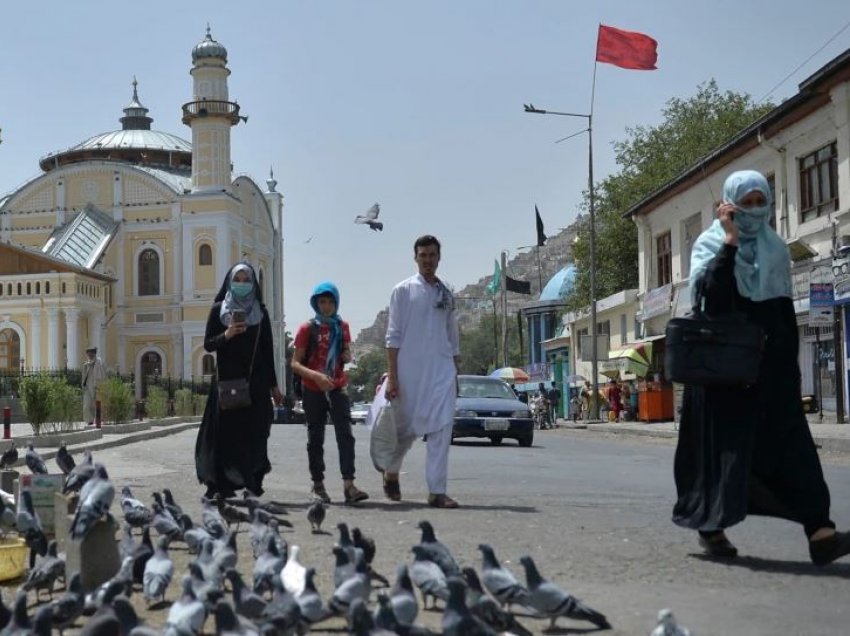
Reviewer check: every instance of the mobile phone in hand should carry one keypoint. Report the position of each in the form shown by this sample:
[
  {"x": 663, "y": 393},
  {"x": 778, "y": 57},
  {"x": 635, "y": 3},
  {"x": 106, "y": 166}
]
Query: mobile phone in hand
[{"x": 238, "y": 315}]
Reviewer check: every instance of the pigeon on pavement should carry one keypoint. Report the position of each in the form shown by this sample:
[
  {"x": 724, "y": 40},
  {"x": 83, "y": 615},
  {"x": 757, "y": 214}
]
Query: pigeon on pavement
[
  {"x": 293, "y": 573},
  {"x": 79, "y": 475},
  {"x": 550, "y": 601},
  {"x": 164, "y": 524},
  {"x": 428, "y": 577},
  {"x": 129, "y": 620},
  {"x": 354, "y": 587},
  {"x": 95, "y": 499},
  {"x": 402, "y": 597},
  {"x": 212, "y": 520},
  {"x": 313, "y": 609},
  {"x": 667, "y": 625},
  {"x": 370, "y": 218},
  {"x": 227, "y": 622},
  {"x": 34, "y": 461},
  {"x": 44, "y": 574},
  {"x": 29, "y": 525},
  {"x": 68, "y": 607},
  {"x": 158, "y": 572},
  {"x": 245, "y": 602},
  {"x": 500, "y": 581},
  {"x": 488, "y": 610},
  {"x": 64, "y": 460},
  {"x": 9, "y": 456},
  {"x": 457, "y": 619},
  {"x": 187, "y": 614},
  {"x": 170, "y": 504},
  {"x": 344, "y": 567},
  {"x": 437, "y": 552},
  {"x": 136, "y": 514},
  {"x": 316, "y": 515},
  {"x": 267, "y": 567},
  {"x": 142, "y": 553}
]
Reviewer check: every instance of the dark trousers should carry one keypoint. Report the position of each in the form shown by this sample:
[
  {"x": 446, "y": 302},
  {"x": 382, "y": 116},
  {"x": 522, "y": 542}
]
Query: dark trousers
[{"x": 317, "y": 406}]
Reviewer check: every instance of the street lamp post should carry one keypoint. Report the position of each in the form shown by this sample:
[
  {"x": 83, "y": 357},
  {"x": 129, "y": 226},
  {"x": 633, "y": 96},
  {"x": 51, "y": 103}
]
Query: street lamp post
[{"x": 529, "y": 108}]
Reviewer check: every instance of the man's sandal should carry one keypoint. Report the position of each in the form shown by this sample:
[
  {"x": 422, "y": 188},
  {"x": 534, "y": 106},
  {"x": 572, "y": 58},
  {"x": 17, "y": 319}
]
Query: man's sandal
[{"x": 442, "y": 501}]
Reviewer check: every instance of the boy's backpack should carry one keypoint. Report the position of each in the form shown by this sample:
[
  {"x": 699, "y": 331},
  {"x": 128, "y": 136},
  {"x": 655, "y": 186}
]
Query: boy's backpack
[{"x": 297, "y": 380}]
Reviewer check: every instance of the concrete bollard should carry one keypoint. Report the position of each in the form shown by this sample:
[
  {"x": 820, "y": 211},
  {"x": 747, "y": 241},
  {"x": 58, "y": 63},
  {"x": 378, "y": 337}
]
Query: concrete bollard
[{"x": 96, "y": 557}]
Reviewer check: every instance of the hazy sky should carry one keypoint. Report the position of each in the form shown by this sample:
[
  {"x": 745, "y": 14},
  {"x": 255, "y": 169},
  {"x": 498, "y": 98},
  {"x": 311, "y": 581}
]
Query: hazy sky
[{"x": 415, "y": 105}]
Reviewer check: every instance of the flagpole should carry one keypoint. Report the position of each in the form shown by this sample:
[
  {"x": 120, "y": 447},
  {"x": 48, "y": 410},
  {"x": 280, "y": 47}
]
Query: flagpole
[
  {"x": 539, "y": 272},
  {"x": 594, "y": 364}
]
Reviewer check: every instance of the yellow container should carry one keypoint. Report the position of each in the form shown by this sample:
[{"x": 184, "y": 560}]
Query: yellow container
[{"x": 13, "y": 558}]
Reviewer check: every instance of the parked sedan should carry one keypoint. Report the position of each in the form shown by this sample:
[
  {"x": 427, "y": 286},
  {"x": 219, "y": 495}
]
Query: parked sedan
[
  {"x": 359, "y": 412},
  {"x": 488, "y": 407}
]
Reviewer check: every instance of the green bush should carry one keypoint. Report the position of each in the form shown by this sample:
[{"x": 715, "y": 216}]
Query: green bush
[
  {"x": 183, "y": 401},
  {"x": 117, "y": 400},
  {"x": 199, "y": 402},
  {"x": 36, "y": 392},
  {"x": 66, "y": 405},
  {"x": 156, "y": 403}
]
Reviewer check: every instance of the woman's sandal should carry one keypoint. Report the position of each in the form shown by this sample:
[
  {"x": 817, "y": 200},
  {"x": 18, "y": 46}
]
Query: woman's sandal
[{"x": 718, "y": 546}]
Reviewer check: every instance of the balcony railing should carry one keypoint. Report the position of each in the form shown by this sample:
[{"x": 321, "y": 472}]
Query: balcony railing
[{"x": 210, "y": 108}]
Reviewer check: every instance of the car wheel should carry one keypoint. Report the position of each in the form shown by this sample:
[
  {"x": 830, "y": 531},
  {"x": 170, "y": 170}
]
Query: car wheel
[
  {"x": 496, "y": 441},
  {"x": 526, "y": 440}
]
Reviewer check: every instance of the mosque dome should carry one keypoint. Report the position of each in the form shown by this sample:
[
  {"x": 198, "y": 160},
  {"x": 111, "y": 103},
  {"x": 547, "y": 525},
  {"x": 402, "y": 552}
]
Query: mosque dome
[
  {"x": 134, "y": 142},
  {"x": 208, "y": 48},
  {"x": 561, "y": 285}
]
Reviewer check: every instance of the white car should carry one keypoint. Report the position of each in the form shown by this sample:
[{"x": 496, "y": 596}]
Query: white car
[{"x": 359, "y": 412}]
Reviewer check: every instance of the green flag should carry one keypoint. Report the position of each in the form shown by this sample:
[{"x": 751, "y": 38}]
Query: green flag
[{"x": 496, "y": 283}]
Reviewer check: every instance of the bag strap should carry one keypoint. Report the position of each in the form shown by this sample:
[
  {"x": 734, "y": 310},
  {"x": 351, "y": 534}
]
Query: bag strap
[{"x": 254, "y": 355}]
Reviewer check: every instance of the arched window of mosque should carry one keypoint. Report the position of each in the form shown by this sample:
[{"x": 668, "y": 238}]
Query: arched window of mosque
[
  {"x": 148, "y": 273},
  {"x": 47, "y": 287},
  {"x": 38, "y": 288},
  {"x": 208, "y": 364},
  {"x": 19, "y": 289},
  {"x": 29, "y": 289},
  {"x": 10, "y": 351},
  {"x": 205, "y": 254}
]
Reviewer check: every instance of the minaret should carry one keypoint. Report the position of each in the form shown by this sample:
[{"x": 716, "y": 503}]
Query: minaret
[{"x": 210, "y": 115}]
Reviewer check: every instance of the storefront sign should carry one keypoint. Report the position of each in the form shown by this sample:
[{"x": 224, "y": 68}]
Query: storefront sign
[
  {"x": 821, "y": 301},
  {"x": 656, "y": 302}
]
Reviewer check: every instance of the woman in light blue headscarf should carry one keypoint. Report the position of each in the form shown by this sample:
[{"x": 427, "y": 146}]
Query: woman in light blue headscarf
[{"x": 749, "y": 450}]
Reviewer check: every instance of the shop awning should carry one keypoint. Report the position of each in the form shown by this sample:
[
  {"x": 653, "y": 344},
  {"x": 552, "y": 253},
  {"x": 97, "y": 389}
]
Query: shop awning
[{"x": 632, "y": 359}]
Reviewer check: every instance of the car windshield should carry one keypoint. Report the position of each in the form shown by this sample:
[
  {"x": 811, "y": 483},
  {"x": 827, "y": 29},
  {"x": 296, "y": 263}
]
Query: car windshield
[{"x": 484, "y": 388}]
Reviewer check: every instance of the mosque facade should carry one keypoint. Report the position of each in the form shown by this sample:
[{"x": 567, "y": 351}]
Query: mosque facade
[{"x": 123, "y": 240}]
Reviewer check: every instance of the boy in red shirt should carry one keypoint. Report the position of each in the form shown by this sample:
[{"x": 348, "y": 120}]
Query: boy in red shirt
[{"x": 327, "y": 338}]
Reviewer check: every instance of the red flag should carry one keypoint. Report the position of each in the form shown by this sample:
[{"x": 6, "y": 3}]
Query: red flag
[{"x": 626, "y": 49}]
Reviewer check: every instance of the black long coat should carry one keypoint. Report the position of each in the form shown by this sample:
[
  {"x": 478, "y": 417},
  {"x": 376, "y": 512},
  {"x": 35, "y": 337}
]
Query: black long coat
[
  {"x": 231, "y": 451},
  {"x": 749, "y": 450}
]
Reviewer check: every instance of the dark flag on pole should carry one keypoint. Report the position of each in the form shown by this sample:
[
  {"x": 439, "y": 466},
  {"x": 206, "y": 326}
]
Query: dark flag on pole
[
  {"x": 541, "y": 237},
  {"x": 517, "y": 286}
]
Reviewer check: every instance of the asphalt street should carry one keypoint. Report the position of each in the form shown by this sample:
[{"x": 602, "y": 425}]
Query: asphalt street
[{"x": 592, "y": 509}]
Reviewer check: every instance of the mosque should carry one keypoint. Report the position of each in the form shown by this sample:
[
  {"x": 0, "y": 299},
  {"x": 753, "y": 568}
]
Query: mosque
[{"x": 123, "y": 240}]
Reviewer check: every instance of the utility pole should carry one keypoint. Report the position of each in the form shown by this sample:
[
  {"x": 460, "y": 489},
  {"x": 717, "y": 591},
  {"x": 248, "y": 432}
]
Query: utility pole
[{"x": 504, "y": 286}]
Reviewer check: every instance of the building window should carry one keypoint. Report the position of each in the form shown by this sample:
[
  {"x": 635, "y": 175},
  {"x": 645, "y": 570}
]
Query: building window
[
  {"x": 148, "y": 273},
  {"x": 208, "y": 364},
  {"x": 664, "y": 258},
  {"x": 205, "y": 254},
  {"x": 580, "y": 333},
  {"x": 10, "y": 351},
  {"x": 819, "y": 182},
  {"x": 623, "y": 329},
  {"x": 691, "y": 229},
  {"x": 47, "y": 287},
  {"x": 604, "y": 329}
]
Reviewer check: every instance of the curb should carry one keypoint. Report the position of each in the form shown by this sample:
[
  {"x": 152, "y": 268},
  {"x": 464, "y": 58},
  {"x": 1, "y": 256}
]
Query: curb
[
  {"x": 124, "y": 440},
  {"x": 638, "y": 432}
]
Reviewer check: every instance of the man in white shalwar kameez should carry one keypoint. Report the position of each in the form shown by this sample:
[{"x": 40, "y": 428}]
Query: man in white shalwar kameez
[
  {"x": 93, "y": 373},
  {"x": 423, "y": 351}
]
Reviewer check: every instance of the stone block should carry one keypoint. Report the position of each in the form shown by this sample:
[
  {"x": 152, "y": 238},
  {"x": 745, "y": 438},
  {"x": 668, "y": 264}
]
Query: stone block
[
  {"x": 7, "y": 480},
  {"x": 42, "y": 489},
  {"x": 96, "y": 557}
]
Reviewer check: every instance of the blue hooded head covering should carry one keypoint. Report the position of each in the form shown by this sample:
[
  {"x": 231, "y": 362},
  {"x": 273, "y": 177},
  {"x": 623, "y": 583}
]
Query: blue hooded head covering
[
  {"x": 762, "y": 263},
  {"x": 333, "y": 321}
]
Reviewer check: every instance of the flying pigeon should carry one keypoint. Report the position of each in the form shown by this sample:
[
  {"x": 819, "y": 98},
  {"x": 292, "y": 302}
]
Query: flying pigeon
[
  {"x": 371, "y": 219},
  {"x": 550, "y": 601},
  {"x": 34, "y": 461},
  {"x": 667, "y": 625}
]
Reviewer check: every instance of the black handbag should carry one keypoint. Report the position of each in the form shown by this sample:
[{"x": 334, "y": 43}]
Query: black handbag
[
  {"x": 705, "y": 350},
  {"x": 236, "y": 393}
]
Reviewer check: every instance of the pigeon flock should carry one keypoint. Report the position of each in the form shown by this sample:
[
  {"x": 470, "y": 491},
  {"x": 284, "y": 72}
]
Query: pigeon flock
[{"x": 281, "y": 596}]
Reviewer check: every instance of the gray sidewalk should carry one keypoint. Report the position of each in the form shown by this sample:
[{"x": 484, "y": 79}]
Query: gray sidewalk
[{"x": 829, "y": 436}]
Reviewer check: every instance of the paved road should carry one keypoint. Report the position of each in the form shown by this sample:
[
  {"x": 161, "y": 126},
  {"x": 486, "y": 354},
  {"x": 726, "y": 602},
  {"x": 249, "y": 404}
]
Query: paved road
[{"x": 592, "y": 509}]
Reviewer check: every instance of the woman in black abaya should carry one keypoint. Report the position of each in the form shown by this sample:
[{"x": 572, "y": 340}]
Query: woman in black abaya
[
  {"x": 231, "y": 449},
  {"x": 749, "y": 450}
]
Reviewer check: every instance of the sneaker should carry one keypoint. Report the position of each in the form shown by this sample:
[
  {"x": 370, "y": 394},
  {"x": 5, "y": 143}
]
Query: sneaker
[
  {"x": 318, "y": 492},
  {"x": 442, "y": 501},
  {"x": 354, "y": 495}
]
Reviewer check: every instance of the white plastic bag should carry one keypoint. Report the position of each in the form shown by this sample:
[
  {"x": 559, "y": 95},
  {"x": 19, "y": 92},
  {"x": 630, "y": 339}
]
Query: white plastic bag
[{"x": 384, "y": 439}]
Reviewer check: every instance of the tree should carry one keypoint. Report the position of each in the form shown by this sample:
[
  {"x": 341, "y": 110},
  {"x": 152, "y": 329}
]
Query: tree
[
  {"x": 478, "y": 346},
  {"x": 649, "y": 157},
  {"x": 363, "y": 378}
]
